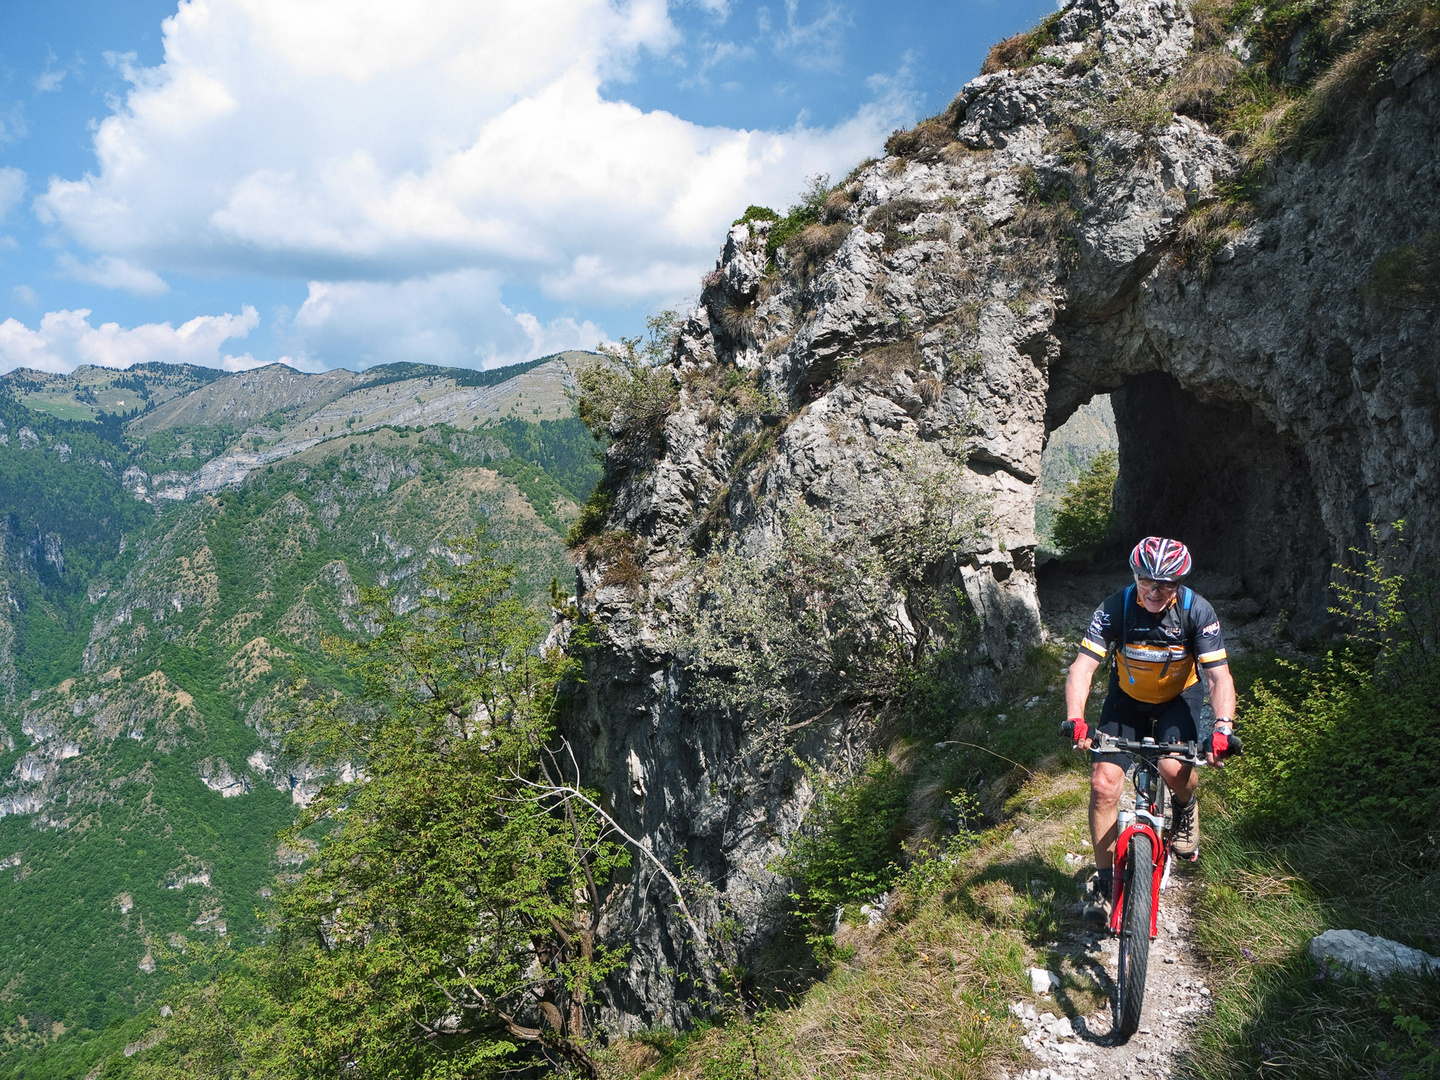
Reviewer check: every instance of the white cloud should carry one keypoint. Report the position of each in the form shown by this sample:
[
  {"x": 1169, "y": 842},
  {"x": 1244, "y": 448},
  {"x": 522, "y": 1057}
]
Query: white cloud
[
  {"x": 353, "y": 141},
  {"x": 52, "y": 78},
  {"x": 65, "y": 339},
  {"x": 452, "y": 318},
  {"x": 815, "y": 44},
  {"x": 24, "y": 294},
  {"x": 113, "y": 272},
  {"x": 12, "y": 123},
  {"x": 12, "y": 189}
]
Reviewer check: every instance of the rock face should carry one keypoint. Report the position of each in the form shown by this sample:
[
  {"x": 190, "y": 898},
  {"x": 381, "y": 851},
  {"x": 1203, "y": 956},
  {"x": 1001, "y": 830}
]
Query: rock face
[{"x": 1014, "y": 258}]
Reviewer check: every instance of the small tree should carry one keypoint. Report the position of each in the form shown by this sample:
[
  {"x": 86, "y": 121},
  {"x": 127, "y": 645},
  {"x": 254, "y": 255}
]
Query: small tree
[
  {"x": 449, "y": 917},
  {"x": 631, "y": 393},
  {"x": 1087, "y": 509}
]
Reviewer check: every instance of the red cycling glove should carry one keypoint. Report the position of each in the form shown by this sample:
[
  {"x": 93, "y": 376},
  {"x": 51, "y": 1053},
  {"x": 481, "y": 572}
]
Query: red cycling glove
[
  {"x": 1220, "y": 744},
  {"x": 1076, "y": 728}
]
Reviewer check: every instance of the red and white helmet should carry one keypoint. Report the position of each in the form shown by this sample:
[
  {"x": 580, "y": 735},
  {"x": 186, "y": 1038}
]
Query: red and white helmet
[{"x": 1160, "y": 559}]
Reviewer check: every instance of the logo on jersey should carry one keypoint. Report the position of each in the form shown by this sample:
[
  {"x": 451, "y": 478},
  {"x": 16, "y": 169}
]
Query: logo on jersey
[
  {"x": 1099, "y": 622},
  {"x": 1213, "y": 628}
]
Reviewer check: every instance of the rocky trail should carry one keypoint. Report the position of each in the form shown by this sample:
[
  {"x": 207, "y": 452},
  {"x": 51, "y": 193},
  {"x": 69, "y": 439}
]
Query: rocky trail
[{"x": 1070, "y": 1042}]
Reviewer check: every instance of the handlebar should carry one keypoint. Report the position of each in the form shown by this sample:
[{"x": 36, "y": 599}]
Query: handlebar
[{"x": 1187, "y": 751}]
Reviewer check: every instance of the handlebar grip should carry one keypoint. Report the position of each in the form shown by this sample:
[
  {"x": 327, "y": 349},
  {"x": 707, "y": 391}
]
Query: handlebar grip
[
  {"x": 1235, "y": 750},
  {"x": 1067, "y": 729}
]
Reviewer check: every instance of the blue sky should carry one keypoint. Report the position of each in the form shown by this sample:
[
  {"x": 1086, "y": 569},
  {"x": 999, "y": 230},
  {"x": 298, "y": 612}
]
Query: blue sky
[{"x": 347, "y": 182}]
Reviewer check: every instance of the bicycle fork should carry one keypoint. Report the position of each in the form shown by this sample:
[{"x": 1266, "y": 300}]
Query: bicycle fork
[{"x": 1159, "y": 871}]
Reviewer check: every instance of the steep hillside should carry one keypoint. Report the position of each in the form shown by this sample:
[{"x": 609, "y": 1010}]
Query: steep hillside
[
  {"x": 150, "y": 642},
  {"x": 212, "y": 437},
  {"x": 1221, "y": 216},
  {"x": 87, "y": 392}
]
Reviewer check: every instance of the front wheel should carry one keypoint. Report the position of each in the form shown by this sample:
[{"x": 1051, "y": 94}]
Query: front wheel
[{"x": 1134, "y": 937}]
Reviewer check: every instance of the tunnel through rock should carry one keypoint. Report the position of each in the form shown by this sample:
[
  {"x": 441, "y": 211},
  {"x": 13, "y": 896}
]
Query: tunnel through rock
[
  {"x": 1226, "y": 482},
  {"x": 1229, "y": 485}
]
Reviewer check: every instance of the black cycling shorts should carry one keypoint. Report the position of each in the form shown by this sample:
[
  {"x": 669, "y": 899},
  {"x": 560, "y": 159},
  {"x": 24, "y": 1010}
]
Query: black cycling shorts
[{"x": 1176, "y": 720}]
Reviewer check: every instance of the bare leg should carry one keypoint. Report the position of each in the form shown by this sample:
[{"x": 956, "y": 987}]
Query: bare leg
[
  {"x": 1180, "y": 779},
  {"x": 1107, "y": 781}
]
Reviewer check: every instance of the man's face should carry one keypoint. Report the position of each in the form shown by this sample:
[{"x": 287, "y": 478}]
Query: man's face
[{"x": 1155, "y": 596}]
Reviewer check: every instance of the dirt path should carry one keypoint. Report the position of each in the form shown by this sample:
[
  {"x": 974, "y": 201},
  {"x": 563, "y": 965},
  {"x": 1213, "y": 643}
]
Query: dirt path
[{"x": 1068, "y": 1044}]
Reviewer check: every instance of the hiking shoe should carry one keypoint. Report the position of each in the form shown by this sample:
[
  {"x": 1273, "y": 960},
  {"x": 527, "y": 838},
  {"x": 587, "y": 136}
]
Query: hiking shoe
[
  {"x": 1185, "y": 827},
  {"x": 1098, "y": 898}
]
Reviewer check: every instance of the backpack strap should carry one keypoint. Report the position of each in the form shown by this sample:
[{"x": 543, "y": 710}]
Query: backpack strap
[{"x": 1120, "y": 660}]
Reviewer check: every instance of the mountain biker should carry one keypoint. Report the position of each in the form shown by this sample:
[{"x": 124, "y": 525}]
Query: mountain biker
[{"x": 1160, "y": 632}]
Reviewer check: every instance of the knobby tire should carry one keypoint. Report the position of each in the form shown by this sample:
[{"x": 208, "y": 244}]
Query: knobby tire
[{"x": 1134, "y": 937}]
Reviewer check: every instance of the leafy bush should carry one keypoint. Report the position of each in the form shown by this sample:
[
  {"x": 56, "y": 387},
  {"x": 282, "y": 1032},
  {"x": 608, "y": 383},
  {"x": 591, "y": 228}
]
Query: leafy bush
[
  {"x": 631, "y": 394},
  {"x": 812, "y": 209},
  {"x": 849, "y": 849},
  {"x": 1330, "y": 741},
  {"x": 756, "y": 213},
  {"x": 1352, "y": 738},
  {"x": 1087, "y": 508},
  {"x": 592, "y": 518}
]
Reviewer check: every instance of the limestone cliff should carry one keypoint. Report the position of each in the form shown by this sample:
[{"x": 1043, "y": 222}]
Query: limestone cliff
[{"x": 1052, "y": 236}]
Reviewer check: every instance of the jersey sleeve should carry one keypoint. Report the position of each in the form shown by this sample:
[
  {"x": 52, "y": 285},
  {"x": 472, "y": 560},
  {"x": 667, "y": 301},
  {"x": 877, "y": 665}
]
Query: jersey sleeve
[
  {"x": 1101, "y": 632},
  {"x": 1207, "y": 642}
]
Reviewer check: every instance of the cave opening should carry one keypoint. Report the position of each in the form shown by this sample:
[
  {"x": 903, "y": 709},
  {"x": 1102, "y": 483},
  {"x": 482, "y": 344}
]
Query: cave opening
[{"x": 1220, "y": 477}]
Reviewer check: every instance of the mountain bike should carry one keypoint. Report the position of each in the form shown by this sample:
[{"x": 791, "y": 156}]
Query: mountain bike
[{"x": 1142, "y": 866}]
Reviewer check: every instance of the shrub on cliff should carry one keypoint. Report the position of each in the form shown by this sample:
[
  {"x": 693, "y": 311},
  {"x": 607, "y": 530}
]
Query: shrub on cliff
[
  {"x": 1087, "y": 508},
  {"x": 834, "y": 612},
  {"x": 631, "y": 393}
]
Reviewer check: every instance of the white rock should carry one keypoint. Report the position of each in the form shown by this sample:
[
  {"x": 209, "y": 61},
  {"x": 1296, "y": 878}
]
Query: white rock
[
  {"x": 1376, "y": 956},
  {"x": 1062, "y": 1028},
  {"x": 1042, "y": 981}
]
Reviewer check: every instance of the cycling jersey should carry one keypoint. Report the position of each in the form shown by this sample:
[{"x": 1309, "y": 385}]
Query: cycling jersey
[{"x": 1155, "y": 655}]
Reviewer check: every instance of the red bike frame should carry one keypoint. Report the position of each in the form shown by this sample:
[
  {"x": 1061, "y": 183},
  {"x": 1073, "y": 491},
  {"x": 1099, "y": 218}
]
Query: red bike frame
[{"x": 1122, "y": 851}]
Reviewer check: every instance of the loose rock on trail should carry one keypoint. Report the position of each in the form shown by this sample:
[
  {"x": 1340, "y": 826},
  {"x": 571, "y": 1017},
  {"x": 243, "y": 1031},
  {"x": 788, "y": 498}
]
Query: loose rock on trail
[{"x": 1068, "y": 1046}]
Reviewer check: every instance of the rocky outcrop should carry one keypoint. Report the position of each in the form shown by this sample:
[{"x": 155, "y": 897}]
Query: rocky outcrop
[{"x": 1012, "y": 259}]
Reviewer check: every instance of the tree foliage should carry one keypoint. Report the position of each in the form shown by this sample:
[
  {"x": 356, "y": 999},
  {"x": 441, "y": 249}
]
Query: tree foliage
[
  {"x": 447, "y": 922},
  {"x": 631, "y": 392},
  {"x": 1087, "y": 509}
]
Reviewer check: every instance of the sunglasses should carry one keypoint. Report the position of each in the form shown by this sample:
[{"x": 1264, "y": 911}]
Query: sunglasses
[{"x": 1167, "y": 587}]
